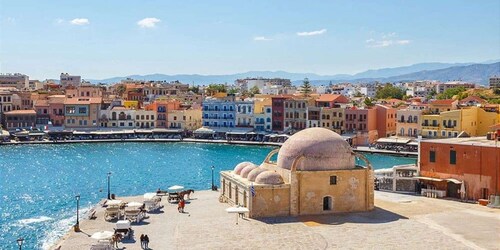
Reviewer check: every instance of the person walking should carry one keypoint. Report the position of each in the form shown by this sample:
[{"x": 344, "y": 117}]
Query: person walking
[
  {"x": 142, "y": 241},
  {"x": 146, "y": 242}
]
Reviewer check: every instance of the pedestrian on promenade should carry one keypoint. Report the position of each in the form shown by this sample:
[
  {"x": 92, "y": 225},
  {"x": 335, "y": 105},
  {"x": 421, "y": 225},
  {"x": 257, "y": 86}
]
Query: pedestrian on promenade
[
  {"x": 146, "y": 242},
  {"x": 142, "y": 241},
  {"x": 182, "y": 203}
]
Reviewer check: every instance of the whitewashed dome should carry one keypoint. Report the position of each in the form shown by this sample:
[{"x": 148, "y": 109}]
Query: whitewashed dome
[
  {"x": 269, "y": 177},
  {"x": 321, "y": 149},
  {"x": 241, "y": 166}
]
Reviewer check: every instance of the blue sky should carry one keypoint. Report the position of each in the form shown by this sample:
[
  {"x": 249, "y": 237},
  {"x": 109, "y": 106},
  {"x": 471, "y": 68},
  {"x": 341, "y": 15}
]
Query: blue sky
[{"x": 100, "y": 39}]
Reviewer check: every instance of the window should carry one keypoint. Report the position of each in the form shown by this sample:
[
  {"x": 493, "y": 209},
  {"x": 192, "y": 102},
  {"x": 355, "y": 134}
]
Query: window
[
  {"x": 432, "y": 156},
  {"x": 70, "y": 110},
  {"x": 453, "y": 157},
  {"x": 82, "y": 110},
  {"x": 333, "y": 180}
]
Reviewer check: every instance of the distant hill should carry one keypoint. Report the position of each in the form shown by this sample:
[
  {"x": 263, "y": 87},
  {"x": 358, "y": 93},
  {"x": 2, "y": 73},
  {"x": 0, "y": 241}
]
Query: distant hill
[{"x": 478, "y": 73}]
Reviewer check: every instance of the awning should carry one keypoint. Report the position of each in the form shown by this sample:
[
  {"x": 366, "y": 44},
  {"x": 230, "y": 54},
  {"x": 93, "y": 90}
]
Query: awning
[
  {"x": 413, "y": 143},
  {"x": 203, "y": 130},
  {"x": 427, "y": 178},
  {"x": 394, "y": 140},
  {"x": 454, "y": 181}
]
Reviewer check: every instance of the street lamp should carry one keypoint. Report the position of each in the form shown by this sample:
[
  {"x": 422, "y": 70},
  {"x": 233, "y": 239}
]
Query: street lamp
[
  {"x": 20, "y": 242},
  {"x": 213, "y": 187},
  {"x": 77, "y": 225},
  {"x": 109, "y": 192}
]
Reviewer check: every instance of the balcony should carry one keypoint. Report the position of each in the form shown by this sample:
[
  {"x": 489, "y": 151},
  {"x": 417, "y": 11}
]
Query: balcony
[{"x": 425, "y": 124}]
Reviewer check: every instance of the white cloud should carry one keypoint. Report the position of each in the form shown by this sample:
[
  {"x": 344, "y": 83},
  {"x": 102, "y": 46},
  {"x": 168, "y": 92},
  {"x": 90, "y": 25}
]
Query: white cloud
[
  {"x": 386, "y": 40},
  {"x": 79, "y": 21},
  {"x": 149, "y": 22},
  {"x": 262, "y": 38},
  {"x": 311, "y": 33}
]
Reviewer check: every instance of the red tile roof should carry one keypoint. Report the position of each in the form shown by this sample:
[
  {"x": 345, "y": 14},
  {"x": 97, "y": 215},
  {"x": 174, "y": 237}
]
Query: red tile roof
[
  {"x": 473, "y": 98},
  {"x": 443, "y": 102},
  {"x": 332, "y": 98}
]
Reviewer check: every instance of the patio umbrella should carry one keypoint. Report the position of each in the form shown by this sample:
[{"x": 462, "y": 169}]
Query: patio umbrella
[
  {"x": 149, "y": 196},
  {"x": 237, "y": 210},
  {"x": 114, "y": 202},
  {"x": 102, "y": 235},
  {"x": 176, "y": 188},
  {"x": 134, "y": 204},
  {"x": 462, "y": 190}
]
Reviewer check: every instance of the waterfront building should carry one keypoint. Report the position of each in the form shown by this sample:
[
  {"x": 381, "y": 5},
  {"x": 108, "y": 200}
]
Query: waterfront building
[
  {"x": 263, "y": 114},
  {"x": 26, "y": 99},
  {"x": 315, "y": 174},
  {"x": 408, "y": 122},
  {"x": 446, "y": 164},
  {"x": 295, "y": 112},
  {"x": 333, "y": 119},
  {"x": 442, "y": 87},
  {"x": 438, "y": 106},
  {"x": 185, "y": 119},
  {"x": 145, "y": 118},
  {"x": 6, "y": 98},
  {"x": 66, "y": 80},
  {"x": 161, "y": 107},
  {"x": 363, "y": 124},
  {"x": 278, "y": 116},
  {"x": 56, "y": 109},
  {"x": 18, "y": 81},
  {"x": 81, "y": 112},
  {"x": 219, "y": 112},
  {"x": 494, "y": 82},
  {"x": 245, "y": 113},
  {"x": 41, "y": 107},
  {"x": 117, "y": 117},
  {"x": 19, "y": 119},
  {"x": 386, "y": 120}
]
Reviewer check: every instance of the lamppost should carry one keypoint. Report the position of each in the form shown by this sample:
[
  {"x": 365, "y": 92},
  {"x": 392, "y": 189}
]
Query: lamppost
[
  {"x": 20, "y": 243},
  {"x": 213, "y": 187},
  {"x": 109, "y": 192},
  {"x": 77, "y": 225}
]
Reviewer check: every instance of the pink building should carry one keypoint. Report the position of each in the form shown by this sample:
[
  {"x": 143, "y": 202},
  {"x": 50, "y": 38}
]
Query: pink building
[
  {"x": 363, "y": 123},
  {"x": 386, "y": 120}
]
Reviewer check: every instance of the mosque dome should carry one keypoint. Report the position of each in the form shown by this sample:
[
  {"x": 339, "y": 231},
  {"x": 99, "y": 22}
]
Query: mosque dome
[
  {"x": 269, "y": 177},
  {"x": 321, "y": 149},
  {"x": 255, "y": 172},
  {"x": 241, "y": 166},
  {"x": 245, "y": 171}
]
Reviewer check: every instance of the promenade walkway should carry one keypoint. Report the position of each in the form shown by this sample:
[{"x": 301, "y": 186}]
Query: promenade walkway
[{"x": 398, "y": 222}]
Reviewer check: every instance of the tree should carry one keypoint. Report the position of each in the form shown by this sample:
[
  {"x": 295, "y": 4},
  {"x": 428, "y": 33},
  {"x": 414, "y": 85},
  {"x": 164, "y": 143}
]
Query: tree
[
  {"x": 216, "y": 88},
  {"x": 255, "y": 90},
  {"x": 306, "y": 88},
  {"x": 368, "y": 102},
  {"x": 232, "y": 91},
  {"x": 431, "y": 94},
  {"x": 121, "y": 89},
  {"x": 389, "y": 91},
  {"x": 450, "y": 93}
]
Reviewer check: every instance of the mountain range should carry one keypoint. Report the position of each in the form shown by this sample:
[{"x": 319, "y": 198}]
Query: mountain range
[{"x": 472, "y": 72}]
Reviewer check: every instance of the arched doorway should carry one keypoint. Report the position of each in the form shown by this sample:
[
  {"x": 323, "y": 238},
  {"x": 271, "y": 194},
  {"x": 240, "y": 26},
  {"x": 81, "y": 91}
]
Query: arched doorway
[{"x": 327, "y": 203}]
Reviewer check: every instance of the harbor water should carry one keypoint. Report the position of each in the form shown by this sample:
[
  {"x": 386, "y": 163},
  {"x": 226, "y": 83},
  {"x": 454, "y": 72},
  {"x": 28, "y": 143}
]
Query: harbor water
[{"x": 38, "y": 183}]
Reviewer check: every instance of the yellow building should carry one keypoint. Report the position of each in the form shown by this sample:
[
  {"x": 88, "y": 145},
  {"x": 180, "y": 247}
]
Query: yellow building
[
  {"x": 332, "y": 118},
  {"x": 185, "y": 119},
  {"x": 131, "y": 104},
  {"x": 315, "y": 173}
]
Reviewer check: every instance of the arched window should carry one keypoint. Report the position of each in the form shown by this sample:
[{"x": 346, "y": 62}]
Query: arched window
[
  {"x": 268, "y": 119},
  {"x": 113, "y": 116},
  {"x": 327, "y": 203},
  {"x": 415, "y": 132},
  {"x": 415, "y": 119},
  {"x": 409, "y": 131},
  {"x": 402, "y": 118},
  {"x": 402, "y": 131},
  {"x": 129, "y": 117}
]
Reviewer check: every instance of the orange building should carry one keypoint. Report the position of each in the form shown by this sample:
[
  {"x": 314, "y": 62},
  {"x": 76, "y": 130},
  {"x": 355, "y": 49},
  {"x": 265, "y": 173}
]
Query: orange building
[
  {"x": 386, "y": 120},
  {"x": 362, "y": 123},
  {"x": 447, "y": 163},
  {"x": 161, "y": 109}
]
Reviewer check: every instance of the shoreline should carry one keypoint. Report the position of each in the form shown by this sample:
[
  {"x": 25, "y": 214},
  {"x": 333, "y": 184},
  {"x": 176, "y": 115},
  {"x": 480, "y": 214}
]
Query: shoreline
[{"x": 191, "y": 140}]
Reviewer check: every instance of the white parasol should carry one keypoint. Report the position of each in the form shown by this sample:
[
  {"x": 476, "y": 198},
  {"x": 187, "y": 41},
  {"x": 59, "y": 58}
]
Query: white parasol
[
  {"x": 114, "y": 202},
  {"x": 462, "y": 191},
  {"x": 149, "y": 196},
  {"x": 103, "y": 235},
  {"x": 237, "y": 210},
  {"x": 176, "y": 188},
  {"x": 134, "y": 204}
]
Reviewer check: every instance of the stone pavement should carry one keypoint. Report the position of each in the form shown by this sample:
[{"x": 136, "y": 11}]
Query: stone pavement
[{"x": 399, "y": 221}]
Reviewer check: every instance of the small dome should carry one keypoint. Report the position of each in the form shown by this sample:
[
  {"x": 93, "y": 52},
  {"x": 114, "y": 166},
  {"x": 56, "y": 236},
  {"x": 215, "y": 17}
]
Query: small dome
[
  {"x": 321, "y": 149},
  {"x": 270, "y": 178},
  {"x": 241, "y": 166},
  {"x": 255, "y": 172},
  {"x": 244, "y": 172}
]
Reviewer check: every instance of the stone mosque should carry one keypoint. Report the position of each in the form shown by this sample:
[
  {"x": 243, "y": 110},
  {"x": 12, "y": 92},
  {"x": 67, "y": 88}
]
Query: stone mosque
[{"x": 315, "y": 173}]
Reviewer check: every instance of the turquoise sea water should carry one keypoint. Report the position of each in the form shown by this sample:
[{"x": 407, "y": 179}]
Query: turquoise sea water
[{"x": 39, "y": 182}]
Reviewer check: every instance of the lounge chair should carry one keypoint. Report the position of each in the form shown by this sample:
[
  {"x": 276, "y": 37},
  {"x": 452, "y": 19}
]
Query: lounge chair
[
  {"x": 173, "y": 197},
  {"x": 112, "y": 213}
]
